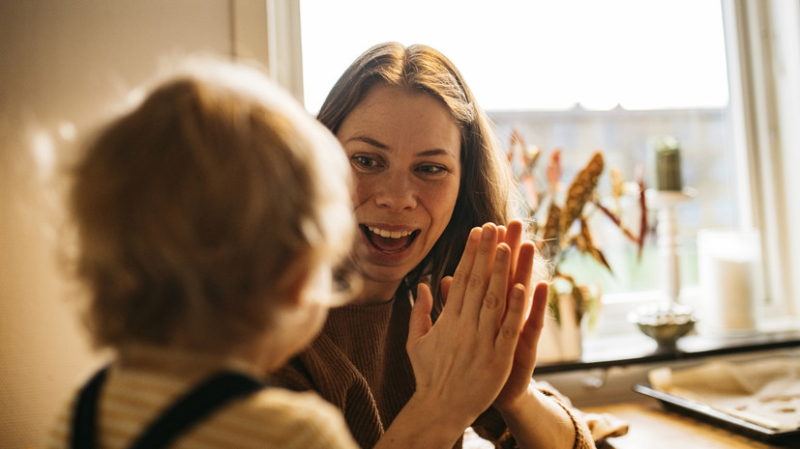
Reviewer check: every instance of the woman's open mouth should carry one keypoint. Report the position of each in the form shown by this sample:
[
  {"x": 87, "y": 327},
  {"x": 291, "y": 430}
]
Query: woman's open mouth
[{"x": 389, "y": 242}]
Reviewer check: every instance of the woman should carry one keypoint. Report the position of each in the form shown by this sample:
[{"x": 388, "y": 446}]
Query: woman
[{"x": 427, "y": 172}]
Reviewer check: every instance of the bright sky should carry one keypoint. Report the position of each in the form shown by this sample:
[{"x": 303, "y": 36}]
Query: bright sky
[{"x": 536, "y": 54}]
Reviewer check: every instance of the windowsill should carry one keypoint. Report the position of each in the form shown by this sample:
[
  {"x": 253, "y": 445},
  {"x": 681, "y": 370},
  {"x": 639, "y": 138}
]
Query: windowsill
[{"x": 637, "y": 349}]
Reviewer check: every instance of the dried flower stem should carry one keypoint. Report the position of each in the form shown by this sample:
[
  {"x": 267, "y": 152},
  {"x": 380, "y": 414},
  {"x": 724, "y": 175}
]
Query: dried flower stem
[
  {"x": 643, "y": 208},
  {"x": 616, "y": 220}
]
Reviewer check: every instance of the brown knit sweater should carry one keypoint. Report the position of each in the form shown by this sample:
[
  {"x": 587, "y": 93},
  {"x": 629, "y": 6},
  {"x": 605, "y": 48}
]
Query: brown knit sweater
[{"x": 359, "y": 364}]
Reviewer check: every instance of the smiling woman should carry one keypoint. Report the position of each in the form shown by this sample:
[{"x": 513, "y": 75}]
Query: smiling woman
[
  {"x": 405, "y": 152},
  {"x": 428, "y": 175}
]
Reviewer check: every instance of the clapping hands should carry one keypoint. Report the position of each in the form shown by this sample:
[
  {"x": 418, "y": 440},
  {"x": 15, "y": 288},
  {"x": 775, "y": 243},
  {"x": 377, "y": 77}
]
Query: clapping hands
[{"x": 482, "y": 349}]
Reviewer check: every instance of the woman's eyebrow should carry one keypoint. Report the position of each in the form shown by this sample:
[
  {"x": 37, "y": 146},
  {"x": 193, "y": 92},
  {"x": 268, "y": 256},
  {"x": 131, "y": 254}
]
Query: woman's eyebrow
[
  {"x": 436, "y": 152},
  {"x": 369, "y": 141},
  {"x": 382, "y": 146}
]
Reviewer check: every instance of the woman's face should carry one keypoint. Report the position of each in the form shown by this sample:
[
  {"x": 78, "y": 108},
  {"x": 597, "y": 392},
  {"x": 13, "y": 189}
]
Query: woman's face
[{"x": 405, "y": 150}]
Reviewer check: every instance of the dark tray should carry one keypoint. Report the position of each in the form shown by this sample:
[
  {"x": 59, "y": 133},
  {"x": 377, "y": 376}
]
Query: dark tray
[{"x": 705, "y": 413}]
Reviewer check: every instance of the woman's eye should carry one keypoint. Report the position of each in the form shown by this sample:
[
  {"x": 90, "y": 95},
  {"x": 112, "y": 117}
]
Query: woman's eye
[
  {"x": 432, "y": 169},
  {"x": 364, "y": 162}
]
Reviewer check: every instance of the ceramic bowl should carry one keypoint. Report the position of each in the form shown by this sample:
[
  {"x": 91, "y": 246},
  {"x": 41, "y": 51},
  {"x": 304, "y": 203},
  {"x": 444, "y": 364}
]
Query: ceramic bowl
[{"x": 664, "y": 323}]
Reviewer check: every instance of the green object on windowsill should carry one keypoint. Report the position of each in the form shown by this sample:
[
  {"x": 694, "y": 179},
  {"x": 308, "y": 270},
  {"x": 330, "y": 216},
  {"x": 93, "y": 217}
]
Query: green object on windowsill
[{"x": 668, "y": 164}]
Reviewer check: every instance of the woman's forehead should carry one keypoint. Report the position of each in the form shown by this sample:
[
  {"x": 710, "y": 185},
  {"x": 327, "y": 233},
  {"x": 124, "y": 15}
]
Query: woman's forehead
[{"x": 393, "y": 115}]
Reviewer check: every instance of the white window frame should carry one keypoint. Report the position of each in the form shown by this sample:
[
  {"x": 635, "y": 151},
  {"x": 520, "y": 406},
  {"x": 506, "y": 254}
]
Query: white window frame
[
  {"x": 268, "y": 31},
  {"x": 764, "y": 69}
]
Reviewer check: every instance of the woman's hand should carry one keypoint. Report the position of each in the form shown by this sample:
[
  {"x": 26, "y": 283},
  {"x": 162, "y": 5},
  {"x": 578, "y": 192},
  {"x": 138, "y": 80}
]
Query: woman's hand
[
  {"x": 516, "y": 386},
  {"x": 525, "y": 355},
  {"x": 463, "y": 362},
  {"x": 522, "y": 263}
]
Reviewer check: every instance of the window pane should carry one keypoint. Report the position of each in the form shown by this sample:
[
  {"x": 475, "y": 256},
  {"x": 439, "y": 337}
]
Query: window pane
[
  {"x": 580, "y": 75},
  {"x": 523, "y": 55}
]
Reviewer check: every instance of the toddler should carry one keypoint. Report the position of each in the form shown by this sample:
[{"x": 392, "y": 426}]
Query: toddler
[{"x": 209, "y": 221}]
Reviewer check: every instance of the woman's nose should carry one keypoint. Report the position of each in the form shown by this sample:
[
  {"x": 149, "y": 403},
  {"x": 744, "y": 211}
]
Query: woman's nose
[{"x": 396, "y": 192}]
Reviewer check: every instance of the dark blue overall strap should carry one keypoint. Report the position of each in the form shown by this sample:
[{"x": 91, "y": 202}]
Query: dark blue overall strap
[
  {"x": 182, "y": 415},
  {"x": 84, "y": 421},
  {"x": 194, "y": 407}
]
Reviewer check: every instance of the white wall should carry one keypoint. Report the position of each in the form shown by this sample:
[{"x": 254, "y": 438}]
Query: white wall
[{"x": 63, "y": 62}]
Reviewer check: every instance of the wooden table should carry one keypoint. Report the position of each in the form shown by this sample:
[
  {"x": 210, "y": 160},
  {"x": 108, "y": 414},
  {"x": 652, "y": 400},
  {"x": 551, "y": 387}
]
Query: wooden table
[{"x": 653, "y": 427}]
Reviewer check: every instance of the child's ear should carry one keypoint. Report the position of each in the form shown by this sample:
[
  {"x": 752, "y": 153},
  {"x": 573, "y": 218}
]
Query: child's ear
[{"x": 293, "y": 292}]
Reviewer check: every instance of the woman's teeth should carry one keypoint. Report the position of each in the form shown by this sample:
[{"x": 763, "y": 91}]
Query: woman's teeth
[{"x": 389, "y": 234}]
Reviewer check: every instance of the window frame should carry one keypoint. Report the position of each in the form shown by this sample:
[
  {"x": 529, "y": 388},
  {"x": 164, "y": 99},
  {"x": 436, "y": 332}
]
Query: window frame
[{"x": 761, "y": 104}]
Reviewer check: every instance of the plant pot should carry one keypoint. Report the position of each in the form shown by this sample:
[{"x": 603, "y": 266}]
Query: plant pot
[{"x": 561, "y": 341}]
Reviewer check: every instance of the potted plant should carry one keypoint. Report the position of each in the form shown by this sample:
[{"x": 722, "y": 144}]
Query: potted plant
[{"x": 560, "y": 220}]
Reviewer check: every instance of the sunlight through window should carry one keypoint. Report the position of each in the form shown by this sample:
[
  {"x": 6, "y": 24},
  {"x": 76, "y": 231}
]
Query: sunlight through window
[{"x": 537, "y": 55}]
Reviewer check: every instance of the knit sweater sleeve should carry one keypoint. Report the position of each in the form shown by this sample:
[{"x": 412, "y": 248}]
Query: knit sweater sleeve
[
  {"x": 293, "y": 376},
  {"x": 490, "y": 426}
]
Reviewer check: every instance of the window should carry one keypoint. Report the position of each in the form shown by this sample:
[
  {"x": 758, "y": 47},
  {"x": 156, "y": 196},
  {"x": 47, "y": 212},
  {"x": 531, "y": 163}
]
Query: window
[
  {"x": 579, "y": 75},
  {"x": 548, "y": 55}
]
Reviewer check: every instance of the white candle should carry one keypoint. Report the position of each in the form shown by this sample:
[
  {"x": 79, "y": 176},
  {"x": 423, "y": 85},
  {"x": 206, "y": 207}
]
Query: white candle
[{"x": 729, "y": 267}]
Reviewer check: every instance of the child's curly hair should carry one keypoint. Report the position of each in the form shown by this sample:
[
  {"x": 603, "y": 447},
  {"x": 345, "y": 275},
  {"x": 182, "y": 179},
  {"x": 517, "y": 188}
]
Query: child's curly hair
[{"x": 197, "y": 211}]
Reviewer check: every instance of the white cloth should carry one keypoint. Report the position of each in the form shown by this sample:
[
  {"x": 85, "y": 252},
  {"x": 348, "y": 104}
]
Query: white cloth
[{"x": 765, "y": 392}]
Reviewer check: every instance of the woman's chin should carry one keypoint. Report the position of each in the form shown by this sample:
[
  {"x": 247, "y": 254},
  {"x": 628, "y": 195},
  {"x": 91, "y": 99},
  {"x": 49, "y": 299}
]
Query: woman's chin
[{"x": 376, "y": 270}]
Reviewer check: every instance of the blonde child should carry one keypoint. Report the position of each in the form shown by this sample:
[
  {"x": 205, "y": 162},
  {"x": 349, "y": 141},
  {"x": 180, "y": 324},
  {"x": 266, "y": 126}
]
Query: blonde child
[{"x": 209, "y": 220}]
